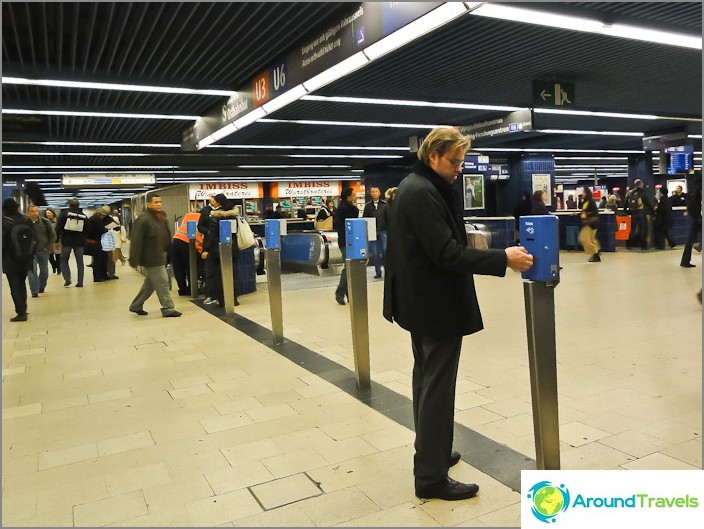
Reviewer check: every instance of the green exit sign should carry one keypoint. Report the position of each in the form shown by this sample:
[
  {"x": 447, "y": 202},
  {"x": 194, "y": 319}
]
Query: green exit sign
[{"x": 553, "y": 94}]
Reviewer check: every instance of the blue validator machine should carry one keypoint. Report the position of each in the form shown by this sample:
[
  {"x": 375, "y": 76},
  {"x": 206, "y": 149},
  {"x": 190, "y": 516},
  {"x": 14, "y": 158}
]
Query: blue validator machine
[
  {"x": 274, "y": 229},
  {"x": 357, "y": 233},
  {"x": 227, "y": 228},
  {"x": 540, "y": 236},
  {"x": 192, "y": 258}
]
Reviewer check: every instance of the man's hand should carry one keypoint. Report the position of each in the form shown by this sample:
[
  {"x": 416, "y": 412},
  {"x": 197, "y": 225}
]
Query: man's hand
[
  {"x": 518, "y": 259},
  {"x": 204, "y": 255}
]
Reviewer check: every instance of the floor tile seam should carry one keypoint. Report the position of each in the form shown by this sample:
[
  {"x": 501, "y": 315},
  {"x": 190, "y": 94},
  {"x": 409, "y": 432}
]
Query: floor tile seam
[{"x": 264, "y": 336}]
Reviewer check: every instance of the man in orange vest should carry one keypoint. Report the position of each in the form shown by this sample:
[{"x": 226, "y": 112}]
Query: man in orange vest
[{"x": 179, "y": 253}]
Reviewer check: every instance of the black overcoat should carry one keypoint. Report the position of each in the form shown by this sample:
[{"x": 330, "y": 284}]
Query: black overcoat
[{"x": 429, "y": 284}]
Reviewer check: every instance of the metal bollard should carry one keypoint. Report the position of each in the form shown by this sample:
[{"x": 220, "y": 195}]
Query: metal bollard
[
  {"x": 539, "y": 235},
  {"x": 356, "y": 231},
  {"x": 192, "y": 258},
  {"x": 274, "y": 229},
  {"x": 227, "y": 228}
]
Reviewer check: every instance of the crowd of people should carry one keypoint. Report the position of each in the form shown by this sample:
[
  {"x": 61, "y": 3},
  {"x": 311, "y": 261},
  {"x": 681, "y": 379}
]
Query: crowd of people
[
  {"x": 651, "y": 220},
  {"x": 34, "y": 240}
]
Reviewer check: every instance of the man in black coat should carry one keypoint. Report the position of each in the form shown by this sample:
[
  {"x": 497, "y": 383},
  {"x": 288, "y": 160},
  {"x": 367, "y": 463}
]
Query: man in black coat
[
  {"x": 429, "y": 291},
  {"x": 663, "y": 221},
  {"x": 345, "y": 210},
  {"x": 694, "y": 212},
  {"x": 15, "y": 265},
  {"x": 71, "y": 233}
]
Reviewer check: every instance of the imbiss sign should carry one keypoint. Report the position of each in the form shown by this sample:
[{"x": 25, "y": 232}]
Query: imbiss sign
[
  {"x": 229, "y": 189},
  {"x": 309, "y": 189}
]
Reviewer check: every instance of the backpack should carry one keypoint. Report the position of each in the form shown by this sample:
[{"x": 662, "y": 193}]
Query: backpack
[
  {"x": 23, "y": 242},
  {"x": 74, "y": 221},
  {"x": 634, "y": 202}
]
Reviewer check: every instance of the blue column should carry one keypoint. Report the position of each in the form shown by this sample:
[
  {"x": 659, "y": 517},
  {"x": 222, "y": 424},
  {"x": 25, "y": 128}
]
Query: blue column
[
  {"x": 522, "y": 170},
  {"x": 640, "y": 166}
]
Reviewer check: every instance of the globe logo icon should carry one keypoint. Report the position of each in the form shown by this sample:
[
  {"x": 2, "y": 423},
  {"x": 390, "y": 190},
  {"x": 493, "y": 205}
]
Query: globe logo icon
[{"x": 548, "y": 500}]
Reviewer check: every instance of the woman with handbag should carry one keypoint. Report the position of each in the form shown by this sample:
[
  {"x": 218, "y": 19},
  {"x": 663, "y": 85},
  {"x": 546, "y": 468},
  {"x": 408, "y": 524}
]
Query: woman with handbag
[
  {"x": 55, "y": 255},
  {"x": 324, "y": 218},
  {"x": 590, "y": 220}
]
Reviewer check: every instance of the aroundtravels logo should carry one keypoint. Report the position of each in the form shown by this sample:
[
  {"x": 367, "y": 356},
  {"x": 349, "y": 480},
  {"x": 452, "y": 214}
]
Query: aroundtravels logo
[{"x": 548, "y": 500}]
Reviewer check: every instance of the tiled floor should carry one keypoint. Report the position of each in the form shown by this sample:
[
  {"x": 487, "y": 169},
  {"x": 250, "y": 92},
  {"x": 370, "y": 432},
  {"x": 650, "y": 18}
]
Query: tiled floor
[{"x": 113, "y": 419}]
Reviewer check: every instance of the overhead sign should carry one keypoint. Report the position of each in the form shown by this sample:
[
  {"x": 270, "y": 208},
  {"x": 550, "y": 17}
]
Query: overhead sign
[
  {"x": 655, "y": 141},
  {"x": 518, "y": 121},
  {"x": 309, "y": 189},
  {"x": 362, "y": 25},
  {"x": 107, "y": 180},
  {"x": 232, "y": 190},
  {"x": 553, "y": 94}
]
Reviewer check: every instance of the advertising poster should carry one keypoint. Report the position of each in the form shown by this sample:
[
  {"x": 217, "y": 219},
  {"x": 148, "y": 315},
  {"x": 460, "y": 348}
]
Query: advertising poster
[
  {"x": 473, "y": 191},
  {"x": 541, "y": 182}
]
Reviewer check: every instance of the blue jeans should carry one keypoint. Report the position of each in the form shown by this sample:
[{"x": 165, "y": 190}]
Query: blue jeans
[
  {"x": 78, "y": 254},
  {"x": 377, "y": 249},
  {"x": 39, "y": 273}
]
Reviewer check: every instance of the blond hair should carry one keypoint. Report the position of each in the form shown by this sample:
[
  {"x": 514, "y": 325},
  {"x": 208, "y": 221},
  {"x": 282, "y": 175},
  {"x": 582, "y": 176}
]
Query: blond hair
[{"x": 442, "y": 140}]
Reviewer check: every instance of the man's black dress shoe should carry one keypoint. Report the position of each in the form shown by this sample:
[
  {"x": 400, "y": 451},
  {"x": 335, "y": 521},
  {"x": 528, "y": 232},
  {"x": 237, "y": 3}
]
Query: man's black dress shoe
[
  {"x": 454, "y": 458},
  {"x": 448, "y": 490}
]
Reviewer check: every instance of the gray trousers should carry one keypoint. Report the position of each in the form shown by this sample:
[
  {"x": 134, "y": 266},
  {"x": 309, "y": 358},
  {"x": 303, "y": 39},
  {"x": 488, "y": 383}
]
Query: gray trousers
[{"x": 155, "y": 280}]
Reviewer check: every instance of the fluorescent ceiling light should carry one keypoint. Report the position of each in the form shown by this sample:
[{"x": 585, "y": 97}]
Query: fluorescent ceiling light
[
  {"x": 589, "y": 157},
  {"x": 419, "y": 27},
  {"x": 249, "y": 118},
  {"x": 87, "y": 167},
  {"x": 225, "y": 131},
  {"x": 589, "y": 132},
  {"x": 94, "y": 144},
  {"x": 384, "y": 156},
  {"x": 29, "y": 153},
  {"x": 513, "y": 149},
  {"x": 113, "y": 86},
  {"x": 405, "y": 102},
  {"x": 543, "y": 18},
  {"x": 312, "y": 147},
  {"x": 336, "y": 72},
  {"x": 698, "y": 136},
  {"x": 94, "y": 114},
  {"x": 284, "y": 99},
  {"x": 352, "y": 123},
  {"x": 293, "y": 166}
]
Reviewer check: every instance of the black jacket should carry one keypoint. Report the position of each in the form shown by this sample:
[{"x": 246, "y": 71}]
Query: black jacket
[
  {"x": 210, "y": 224},
  {"x": 663, "y": 213},
  {"x": 429, "y": 284},
  {"x": 590, "y": 214},
  {"x": 344, "y": 210},
  {"x": 68, "y": 237},
  {"x": 150, "y": 239},
  {"x": 381, "y": 213},
  {"x": 694, "y": 205},
  {"x": 10, "y": 264},
  {"x": 537, "y": 207}
]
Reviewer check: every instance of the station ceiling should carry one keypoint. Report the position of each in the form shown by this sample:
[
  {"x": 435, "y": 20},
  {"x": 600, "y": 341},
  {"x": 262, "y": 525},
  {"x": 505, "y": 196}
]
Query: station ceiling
[{"x": 222, "y": 46}]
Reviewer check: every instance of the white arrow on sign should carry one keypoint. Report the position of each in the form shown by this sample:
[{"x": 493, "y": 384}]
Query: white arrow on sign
[{"x": 544, "y": 95}]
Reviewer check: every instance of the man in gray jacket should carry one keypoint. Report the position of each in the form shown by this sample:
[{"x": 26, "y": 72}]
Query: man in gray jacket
[
  {"x": 150, "y": 243},
  {"x": 46, "y": 237}
]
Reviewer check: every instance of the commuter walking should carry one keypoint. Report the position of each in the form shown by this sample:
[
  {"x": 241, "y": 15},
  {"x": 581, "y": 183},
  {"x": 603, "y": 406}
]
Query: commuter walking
[
  {"x": 150, "y": 243},
  {"x": 120, "y": 235},
  {"x": 663, "y": 221},
  {"x": 111, "y": 247},
  {"x": 46, "y": 237},
  {"x": 589, "y": 217},
  {"x": 345, "y": 210},
  {"x": 429, "y": 291},
  {"x": 537, "y": 204},
  {"x": 180, "y": 253},
  {"x": 378, "y": 209},
  {"x": 70, "y": 231},
  {"x": 55, "y": 255},
  {"x": 636, "y": 207},
  {"x": 19, "y": 244},
  {"x": 694, "y": 212}
]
